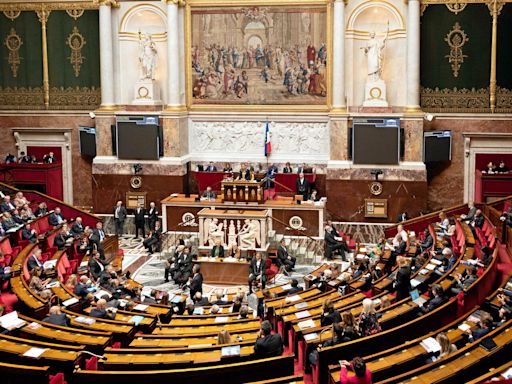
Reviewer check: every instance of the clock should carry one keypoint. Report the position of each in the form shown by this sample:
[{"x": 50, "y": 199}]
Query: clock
[{"x": 375, "y": 188}]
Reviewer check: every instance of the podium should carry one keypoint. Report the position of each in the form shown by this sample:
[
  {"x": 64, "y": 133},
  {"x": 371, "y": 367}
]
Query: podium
[{"x": 242, "y": 191}]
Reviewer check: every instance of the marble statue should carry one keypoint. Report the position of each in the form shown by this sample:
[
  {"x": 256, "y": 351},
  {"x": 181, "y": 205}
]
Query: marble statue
[
  {"x": 147, "y": 57},
  {"x": 215, "y": 232},
  {"x": 373, "y": 52},
  {"x": 249, "y": 233}
]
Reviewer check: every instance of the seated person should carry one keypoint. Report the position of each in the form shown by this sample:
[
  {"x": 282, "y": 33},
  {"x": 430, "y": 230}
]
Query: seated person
[
  {"x": 442, "y": 225},
  {"x": 502, "y": 167},
  {"x": 483, "y": 327},
  {"x": 20, "y": 200},
  {"x": 244, "y": 312},
  {"x": 219, "y": 298},
  {"x": 295, "y": 287},
  {"x": 436, "y": 300},
  {"x": 56, "y": 218},
  {"x": 24, "y": 158},
  {"x": 102, "y": 312},
  {"x": 7, "y": 205},
  {"x": 17, "y": 218},
  {"x": 56, "y": 317},
  {"x": 402, "y": 217},
  {"x": 233, "y": 251},
  {"x": 471, "y": 213},
  {"x": 184, "y": 271},
  {"x": 358, "y": 366},
  {"x": 447, "y": 348},
  {"x": 153, "y": 238},
  {"x": 224, "y": 337},
  {"x": 42, "y": 209},
  {"x": 506, "y": 216},
  {"x": 35, "y": 260},
  {"x": 8, "y": 222},
  {"x": 37, "y": 285},
  {"x": 284, "y": 259},
  {"x": 78, "y": 228},
  {"x": 287, "y": 168},
  {"x": 426, "y": 244},
  {"x": 211, "y": 167},
  {"x": 49, "y": 158},
  {"x": 26, "y": 213},
  {"x": 461, "y": 283},
  {"x": 313, "y": 196},
  {"x": 217, "y": 250},
  {"x": 244, "y": 173},
  {"x": 208, "y": 194},
  {"x": 82, "y": 288},
  {"x": 268, "y": 344},
  {"x": 29, "y": 234},
  {"x": 200, "y": 300},
  {"x": 329, "y": 314},
  {"x": 227, "y": 168},
  {"x": 490, "y": 168},
  {"x": 478, "y": 220},
  {"x": 332, "y": 244}
]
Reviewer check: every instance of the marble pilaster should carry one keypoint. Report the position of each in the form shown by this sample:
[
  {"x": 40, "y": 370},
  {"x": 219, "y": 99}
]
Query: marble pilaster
[
  {"x": 338, "y": 139},
  {"x": 104, "y": 134},
  {"x": 338, "y": 56},
  {"x": 413, "y": 129},
  {"x": 413, "y": 55},
  {"x": 106, "y": 55},
  {"x": 173, "y": 54},
  {"x": 175, "y": 129}
]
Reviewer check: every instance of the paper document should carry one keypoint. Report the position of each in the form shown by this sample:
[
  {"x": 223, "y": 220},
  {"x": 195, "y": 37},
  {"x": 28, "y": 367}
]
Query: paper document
[
  {"x": 302, "y": 314},
  {"x": 221, "y": 319},
  {"x": 34, "y": 352},
  {"x": 286, "y": 287},
  {"x": 430, "y": 345},
  {"x": 306, "y": 324},
  {"x": 136, "y": 319},
  {"x": 301, "y": 305},
  {"x": 464, "y": 327},
  {"x": 311, "y": 336},
  {"x": 231, "y": 351},
  {"x": 293, "y": 298},
  {"x": 68, "y": 302},
  {"x": 11, "y": 321},
  {"x": 141, "y": 307}
]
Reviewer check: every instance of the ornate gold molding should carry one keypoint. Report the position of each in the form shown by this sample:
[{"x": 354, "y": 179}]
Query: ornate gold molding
[
  {"x": 503, "y": 100},
  {"x": 109, "y": 3},
  {"x": 434, "y": 2},
  {"x": 76, "y": 42},
  {"x": 456, "y": 39},
  {"x": 456, "y": 7},
  {"x": 13, "y": 42},
  {"x": 52, "y": 6},
  {"x": 75, "y": 13},
  {"x": 21, "y": 98},
  {"x": 12, "y": 15},
  {"x": 455, "y": 100},
  {"x": 180, "y": 3},
  {"x": 75, "y": 98}
]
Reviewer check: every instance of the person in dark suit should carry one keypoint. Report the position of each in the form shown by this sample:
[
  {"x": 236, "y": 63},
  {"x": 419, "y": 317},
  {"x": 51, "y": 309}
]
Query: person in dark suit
[
  {"x": 49, "y": 158},
  {"x": 329, "y": 314},
  {"x": 200, "y": 300},
  {"x": 484, "y": 326},
  {"x": 257, "y": 271},
  {"x": 402, "y": 217},
  {"x": 217, "y": 249},
  {"x": 295, "y": 287},
  {"x": 56, "y": 218},
  {"x": 119, "y": 217},
  {"x": 152, "y": 215},
  {"x": 211, "y": 167},
  {"x": 271, "y": 175},
  {"x": 77, "y": 228},
  {"x": 96, "y": 265},
  {"x": 471, "y": 213},
  {"x": 56, "y": 317},
  {"x": 140, "y": 220},
  {"x": 208, "y": 194},
  {"x": 10, "y": 158},
  {"x": 268, "y": 344},
  {"x": 98, "y": 234},
  {"x": 102, "y": 312},
  {"x": 60, "y": 240},
  {"x": 302, "y": 186},
  {"x": 426, "y": 244},
  {"x": 332, "y": 244},
  {"x": 478, "y": 220},
  {"x": 436, "y": 301},
  {"x": 36, "y": 260},
  {"x": 185, "y": 268},
  {"x": 41, "y": 210},
  {"x": 29, "y": 234},
  {"x": 153, "y": 238},
  {"x": 284, "y": 259},
  {"x": 403, "y": 279},
  {"x": 24, "y": 158},
  {"x": 7, "y": 206},
  {"x": 302, "y": 168},
  {"x": 244, "y": 173},
  {"x": 400, "y": 249},
  {"x": 196, "y": 283},
  {"x": 219, "y": 295},
  {"x": 81, "y": 288},
  {"x": 287, "y": 168}
]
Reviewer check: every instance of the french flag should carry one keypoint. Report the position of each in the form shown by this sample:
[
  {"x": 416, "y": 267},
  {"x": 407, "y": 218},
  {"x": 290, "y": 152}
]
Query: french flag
[{"x": 268, "y": 147}]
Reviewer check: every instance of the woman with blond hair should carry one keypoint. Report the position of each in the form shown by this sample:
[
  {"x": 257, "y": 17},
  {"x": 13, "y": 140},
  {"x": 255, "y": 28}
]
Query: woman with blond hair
[
  {"x": 224, "y": 337},
  {"x": 447, "y": 348},
  {"x": 36, "y": 284},
  {"x": 368, "y": 322},
  {"x": 72, "y": 282}
]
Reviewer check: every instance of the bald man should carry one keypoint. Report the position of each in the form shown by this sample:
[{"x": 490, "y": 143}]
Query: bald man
[
  {"x": 56, "y": 317},
  {"x": 102, "y": 312}
]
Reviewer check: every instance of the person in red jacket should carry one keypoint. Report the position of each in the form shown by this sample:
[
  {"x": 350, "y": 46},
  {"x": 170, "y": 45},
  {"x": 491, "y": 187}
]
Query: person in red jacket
[{"x": 362, "y": 374}]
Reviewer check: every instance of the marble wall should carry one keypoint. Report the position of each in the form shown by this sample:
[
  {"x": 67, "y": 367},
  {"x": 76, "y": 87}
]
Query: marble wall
[{"x": 446, "y": 180}]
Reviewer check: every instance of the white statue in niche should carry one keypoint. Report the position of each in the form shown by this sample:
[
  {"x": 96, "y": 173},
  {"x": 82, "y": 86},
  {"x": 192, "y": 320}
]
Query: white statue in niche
[
  {"x": 147, "y": 57},
  {"x": 374, "y": 54},
  {"x": 375, "y": 87}
]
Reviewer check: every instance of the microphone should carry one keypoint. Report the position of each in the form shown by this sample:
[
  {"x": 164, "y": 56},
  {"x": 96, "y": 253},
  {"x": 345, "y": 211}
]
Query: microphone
[
  {"x": 323, "y": 331},
  {"x": 95, "y": 355}
]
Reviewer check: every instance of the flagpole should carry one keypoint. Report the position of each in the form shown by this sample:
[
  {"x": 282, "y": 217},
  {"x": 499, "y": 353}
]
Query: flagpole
[{"x": 267, "y": 184}]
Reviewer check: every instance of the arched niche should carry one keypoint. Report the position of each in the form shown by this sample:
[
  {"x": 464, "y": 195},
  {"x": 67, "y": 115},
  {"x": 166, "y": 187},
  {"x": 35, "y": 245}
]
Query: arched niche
[{"x": 144, "y": 18}]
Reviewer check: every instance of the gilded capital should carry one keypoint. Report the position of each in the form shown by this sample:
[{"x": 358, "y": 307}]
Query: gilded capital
[
  {"x": 109, "y": 3},
  {"x": 180, "y": 3}
]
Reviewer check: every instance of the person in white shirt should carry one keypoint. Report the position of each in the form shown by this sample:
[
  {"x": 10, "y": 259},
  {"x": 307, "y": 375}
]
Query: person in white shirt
[{"x": 400, "y": 233}]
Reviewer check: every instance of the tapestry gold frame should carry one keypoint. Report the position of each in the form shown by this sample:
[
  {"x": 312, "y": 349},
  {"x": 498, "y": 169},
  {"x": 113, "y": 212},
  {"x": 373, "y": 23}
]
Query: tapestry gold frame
[{"x": 191, "y": 4}]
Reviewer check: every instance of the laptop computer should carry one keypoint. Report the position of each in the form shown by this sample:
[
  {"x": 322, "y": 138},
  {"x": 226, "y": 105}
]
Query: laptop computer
[{"x": 416, "y": 299}]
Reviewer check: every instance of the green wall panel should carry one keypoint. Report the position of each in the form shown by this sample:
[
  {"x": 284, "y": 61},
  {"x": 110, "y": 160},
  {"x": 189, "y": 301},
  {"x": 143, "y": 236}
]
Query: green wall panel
[
  {"x": 30, "y": 70},
  {"x": 504, "y": 57},
  {"x": 61, "y": 71},
  {"x": 437, "y": 21}
]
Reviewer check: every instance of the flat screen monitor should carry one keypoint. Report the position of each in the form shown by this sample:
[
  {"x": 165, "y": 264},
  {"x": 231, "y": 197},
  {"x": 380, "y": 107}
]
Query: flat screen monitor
[
  {"x": 376, "y": 141},
  {"x": 138, "y": 138},
  {"x": 87, "y": 139}
]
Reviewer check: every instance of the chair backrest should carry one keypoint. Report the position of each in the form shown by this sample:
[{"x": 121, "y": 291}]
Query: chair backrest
[{"x": 91, "y": 364}]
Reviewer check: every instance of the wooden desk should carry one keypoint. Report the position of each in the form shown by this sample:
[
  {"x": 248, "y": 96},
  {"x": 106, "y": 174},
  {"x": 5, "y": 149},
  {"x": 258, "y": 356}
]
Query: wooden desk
[{"x": 224, "y": 272}]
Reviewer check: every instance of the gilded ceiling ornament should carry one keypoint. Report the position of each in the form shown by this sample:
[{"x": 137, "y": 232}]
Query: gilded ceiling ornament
[
  {"x": 456, "y": 39},
  {"x": 12, "y": 14},
  {"x": 76, "y": 42},
  {"x": 13, "y": 42},
  {"x": 75, "y": 13},
  {"x": 456, "y": 7}
]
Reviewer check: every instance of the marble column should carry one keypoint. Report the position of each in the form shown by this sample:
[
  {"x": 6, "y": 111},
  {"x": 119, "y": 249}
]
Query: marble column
[
  {"x": 106, "y": 54},
  {"x": 338, "y": 56},
  {"x": 413, "y": 56},
  {"x": 173, "y": 55}
]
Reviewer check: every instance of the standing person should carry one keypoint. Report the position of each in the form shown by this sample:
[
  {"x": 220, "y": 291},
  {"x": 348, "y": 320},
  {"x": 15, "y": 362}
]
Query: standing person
[
  {"x": 403, "y": 278},
  {"x": 119, "y": 217},
  {"x": 196, "y": 283},
  {"x": 140, "y": 220},
  {"x": 152, "y": 215},
  {"x": 302, "y": 186},
  {"x": 257, "y": 271}
]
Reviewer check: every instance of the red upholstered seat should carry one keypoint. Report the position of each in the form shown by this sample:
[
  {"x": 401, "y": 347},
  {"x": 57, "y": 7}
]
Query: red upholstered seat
[
  {"x": 271, "y": 270},
  {"x": 92, "y": 363},
  {"x": 57, "y": 379}
]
